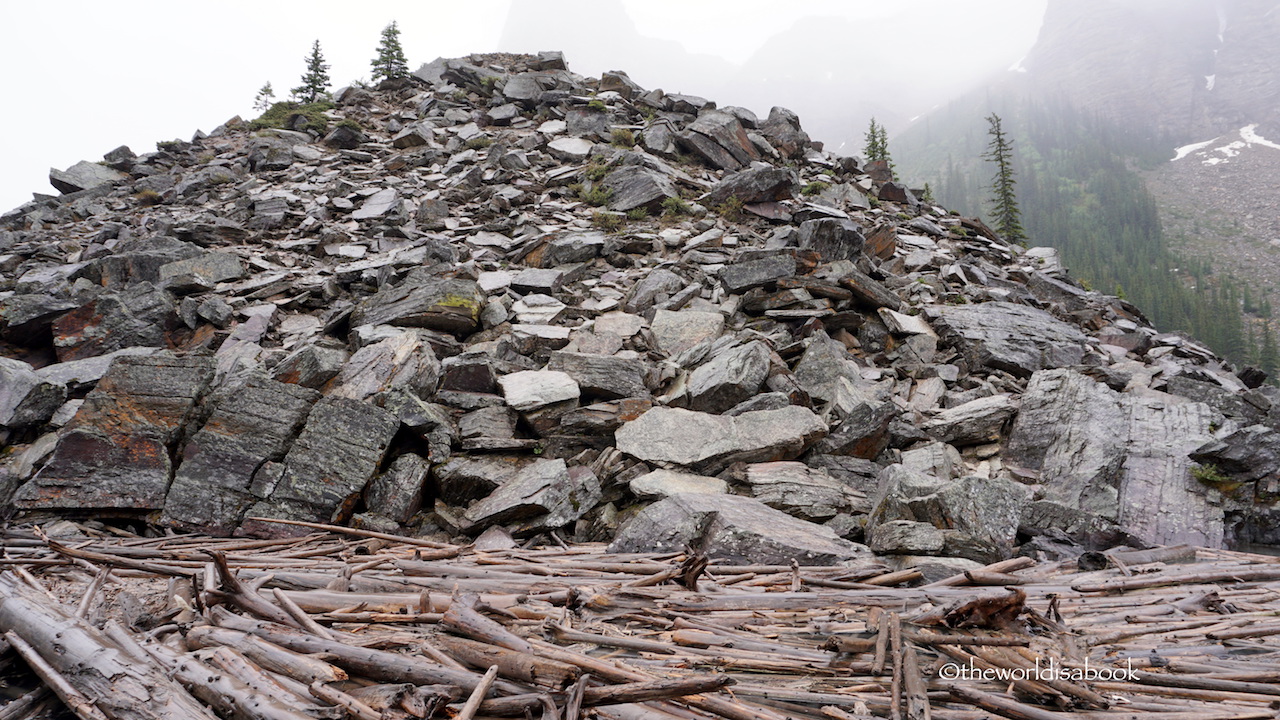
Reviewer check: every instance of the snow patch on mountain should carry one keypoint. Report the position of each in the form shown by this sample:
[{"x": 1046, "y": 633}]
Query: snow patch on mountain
[{"x": 1248, "y": 138}]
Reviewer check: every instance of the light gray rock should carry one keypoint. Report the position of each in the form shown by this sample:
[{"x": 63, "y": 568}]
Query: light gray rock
[
  {"x": 1121, "y": 457},
  {"x": 663, "y": 483},
  {"x": 679, "y": 331},
  {"x": 729, "y": 378},
  {"x": 377, "y": 204},
  {"x": 697, "y": 439},
  {"x": 1014, "y": 338},
  {"x": 905, "y": 537},
  {"x": 423, "y": 300},
  {"x": 733, "y": 528},
  {"x": 937, "y": 459},
  {"x": 978, "y": 517},
  {"x": 530, "y": 389},
  {"x": 570, "y": 149},
  {"x": 798, "y": 490},
  {"x": 26, "y": 398},
  {"x": 602, "y": 376},
  {"x": 404, "y": 360},
  {"x": 972, "y": 423}
]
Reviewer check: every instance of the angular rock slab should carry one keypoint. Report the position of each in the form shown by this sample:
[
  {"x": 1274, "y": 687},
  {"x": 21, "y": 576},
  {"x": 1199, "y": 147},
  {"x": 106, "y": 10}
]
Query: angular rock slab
[
  {"x": 679, "y": 331},
  {"x": 735, "y": 529},
  {"x": 604, "y": 376},
  {"x": 1120, "y": 457},
  {"x": 635, "y": 187},
  {"x": 684, "y": 437},
  {"x": 758, "y": 184},
  {"x": 405, "y": 360},
  {"x": 139, "y": 315},
  {"x": 797, "y": 490},
  {"x": 663, "y": 483},
  {"x": 448, "y": 304},
  {"x": 83, "y": 176},
  {"x": 546, "y": 495},
  {"x": 1014, "y": 338},
  {"x": 252, "y": 425},
  {"x": 974, "y": 422},
  {"x": 530, "y": 389},
  {"x": 115, "y": 453},
  {"x": 338, "y": 451},
  {"x": 729, "y": 378},
  {"x": 25, "y": 397}
]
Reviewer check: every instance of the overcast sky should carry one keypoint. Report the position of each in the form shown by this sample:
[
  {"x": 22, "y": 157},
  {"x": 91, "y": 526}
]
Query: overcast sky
[{"x": 81, "y": 77}]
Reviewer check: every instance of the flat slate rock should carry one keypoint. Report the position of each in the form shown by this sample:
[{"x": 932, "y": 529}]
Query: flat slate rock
[
  {"x": 638, "y": 187},
  {"x": 684, "y": 437},
  {"x": 729, "y": 378},
  {"x": 115, "y": 453},
  {"x": 1014, "y": 338},
  {"x": 448, "y": 304},
  {"x": 662, "y": 483},
  {"x": 542, "y": 496},
  {"x": 753, "y": 185},
  {"x": 735, "y": 529},
  {"x": 679, "y": 331}
]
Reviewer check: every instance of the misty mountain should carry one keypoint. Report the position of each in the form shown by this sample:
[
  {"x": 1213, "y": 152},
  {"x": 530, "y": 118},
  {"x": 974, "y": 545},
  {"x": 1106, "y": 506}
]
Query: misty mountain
[{"x": 1112, "y": 91}]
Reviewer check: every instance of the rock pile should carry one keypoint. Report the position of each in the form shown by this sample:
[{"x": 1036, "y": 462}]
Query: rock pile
[{"x": 502, "y": 295}]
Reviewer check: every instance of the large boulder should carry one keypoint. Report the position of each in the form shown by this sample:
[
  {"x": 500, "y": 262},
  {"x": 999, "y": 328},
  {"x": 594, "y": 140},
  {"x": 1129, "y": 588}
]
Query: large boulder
[
  {"x": 338, "y": 452},
  {"x": 83, "y": 176},
  {"x": 1118, "y": 457},
  {"x": 25, "y": 397},
  {"x": 545, "y": 495},
  {"x": 115, "y": 453},
  {"x": 252, "y": 424},
  {"x": 733, "y": 528},
  {"x": 1014, "y": 338},
  {"x": 695, "y": 439}
]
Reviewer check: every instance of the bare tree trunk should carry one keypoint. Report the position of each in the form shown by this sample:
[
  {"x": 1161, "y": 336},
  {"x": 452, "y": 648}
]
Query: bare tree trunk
[{"x": 93, "y": 665}]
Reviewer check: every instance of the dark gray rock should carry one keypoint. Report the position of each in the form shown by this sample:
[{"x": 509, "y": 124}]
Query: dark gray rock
[
  {"x": 602, "y": 376},
  {"x": 84, "y": 175},
  {"x": 735, "y": 529},
  {"x": 251, "y": 425},
  {"x": 757, "y": 184},
  {"x": 729, "y": 378},
  {"x": 832, "y": 238},
  {"x": 26, "y": 398},
  {"x": 1014, "y": 338},
  {"x": 337, "y": 453},
  {"x": 344, "y": 137},
  {"x": 397, "y": 493},
  {"x": 25, "y": 317},
  {"x": 141, "y": 314},
  {"x": 634, "y": 187},
  {"x": 542, "y": 496},
  {"x": 448, "y": 304},
  {"x": 719, "y": 139},
  {"x": 698, "y": 439},
  {"x": 432, "y": 423},
  {"x": 201, "y": 273},
  {"x": 782, "y": 128},
  {"x": 654, "y": 287},
  {"x": 465, "y": 478},
  {"x": 743, "y": 276},
  {"x": 573, "y": 248},
  {"x": 115, "y": 453}
]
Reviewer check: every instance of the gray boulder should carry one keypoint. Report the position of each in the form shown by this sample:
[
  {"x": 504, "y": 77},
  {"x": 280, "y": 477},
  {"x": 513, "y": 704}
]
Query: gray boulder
[
  {"x": 25, "y": 397},
  {"x": 83, "y": 176},
  {"x": 977, "y": 421},
  {"x": 1014, "y": 338},
  {"x": 798, "y": 490},
  {"x": 832, "y": 238},
  {"x": 422, "y": 300},
  {"x": 733, "y": 528},
  {"x": 698, "y": 439},
  {"x": 729, "y": 378},
  {"x": 542, "y": 496},
  {"x": 756, "y": 184}
]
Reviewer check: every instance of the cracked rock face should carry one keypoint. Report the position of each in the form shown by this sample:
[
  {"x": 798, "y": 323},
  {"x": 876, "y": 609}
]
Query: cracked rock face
[{"x": 475, "y": 307}]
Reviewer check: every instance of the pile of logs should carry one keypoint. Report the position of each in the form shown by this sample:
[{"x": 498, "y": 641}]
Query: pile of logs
[{"x": 348, "y": 623}]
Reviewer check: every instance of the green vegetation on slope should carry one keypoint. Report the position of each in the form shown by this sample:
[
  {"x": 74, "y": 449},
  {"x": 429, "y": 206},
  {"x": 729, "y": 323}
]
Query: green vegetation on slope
[{"x": 1079, "y": 192}]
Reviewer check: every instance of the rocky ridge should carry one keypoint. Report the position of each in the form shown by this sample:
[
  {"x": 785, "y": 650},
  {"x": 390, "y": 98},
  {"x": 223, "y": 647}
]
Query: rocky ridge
[{"x": 500, "y": 300}]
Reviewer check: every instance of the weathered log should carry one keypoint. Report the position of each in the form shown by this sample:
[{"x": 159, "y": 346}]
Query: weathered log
[
  {"x": 88, "y": 661},
  {"x": 303, "y": 668},
  {"x": 511, "y": 664}
]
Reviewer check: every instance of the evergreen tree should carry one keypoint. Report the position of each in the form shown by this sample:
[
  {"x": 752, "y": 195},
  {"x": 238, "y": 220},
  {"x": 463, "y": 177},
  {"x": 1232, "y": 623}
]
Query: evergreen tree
[
  {"x": 315, "y": 81},
  {"x": 390, "y": 62},
  {"x": 265, "y": 98},
  {"x": 1004, "y": 200},
  {"x": 1269, "y": 357}
]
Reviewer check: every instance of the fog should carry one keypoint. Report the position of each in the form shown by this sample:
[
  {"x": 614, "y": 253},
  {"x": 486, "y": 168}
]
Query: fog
[{"x": 83, "y": 77}]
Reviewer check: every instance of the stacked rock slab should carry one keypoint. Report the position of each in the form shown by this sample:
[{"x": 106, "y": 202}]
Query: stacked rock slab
[{"x": 505, "y": 296}]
